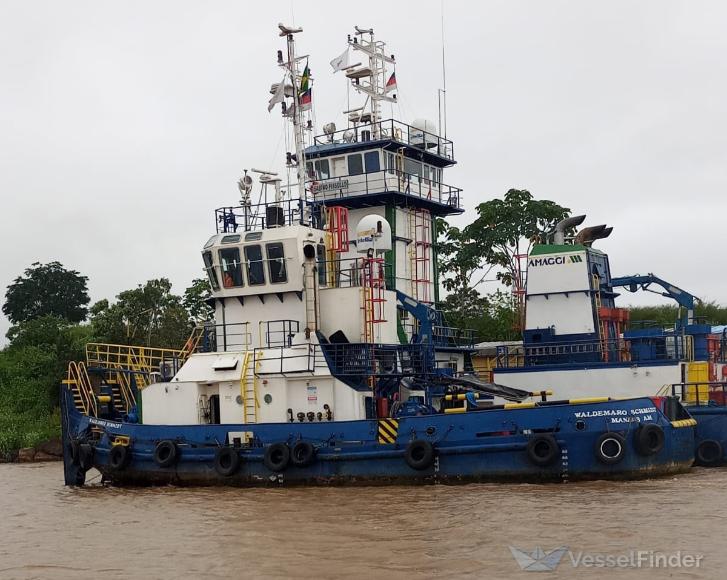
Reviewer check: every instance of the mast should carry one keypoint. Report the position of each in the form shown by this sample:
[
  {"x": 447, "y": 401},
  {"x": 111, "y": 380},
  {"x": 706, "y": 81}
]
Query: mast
[
  {"x": 295, "y": 112},
  {"x": 374, "y": 76}
]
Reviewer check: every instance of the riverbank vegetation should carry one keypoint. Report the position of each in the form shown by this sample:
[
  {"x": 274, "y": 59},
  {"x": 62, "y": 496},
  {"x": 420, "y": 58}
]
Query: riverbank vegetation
[{"x": 51, "y": 325}]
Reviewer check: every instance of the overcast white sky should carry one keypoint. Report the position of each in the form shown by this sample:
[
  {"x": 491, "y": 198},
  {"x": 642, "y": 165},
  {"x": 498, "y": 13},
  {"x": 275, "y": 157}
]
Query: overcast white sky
[{"x": 124, "y": 124}]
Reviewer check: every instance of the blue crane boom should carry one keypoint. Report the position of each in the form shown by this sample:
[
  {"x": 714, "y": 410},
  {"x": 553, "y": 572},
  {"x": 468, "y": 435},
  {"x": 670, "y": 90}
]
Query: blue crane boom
[{"x": 642, "y": 282}]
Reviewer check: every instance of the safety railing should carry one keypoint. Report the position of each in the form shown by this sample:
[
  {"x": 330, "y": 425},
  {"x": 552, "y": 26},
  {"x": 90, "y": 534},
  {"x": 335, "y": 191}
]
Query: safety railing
[
  {"x": 391, "y": 130},
  {"x": 450, "y": 336},
  {"x": 227, "y": 337},
  {"x": 277, "y": 332},
  {"x": 708, "y": 393},
  {"x": 643, "y": 349},
  {"x": 364, "y": 359},
  {"x": 140, "y": 359},
  {"x": 334, "y": 189},
  {"x": 348, "y": 272},
  {"x": 350, "y": 360},
  {"x": 80, "y": 384},
  {"x": 260, "y": 216}
]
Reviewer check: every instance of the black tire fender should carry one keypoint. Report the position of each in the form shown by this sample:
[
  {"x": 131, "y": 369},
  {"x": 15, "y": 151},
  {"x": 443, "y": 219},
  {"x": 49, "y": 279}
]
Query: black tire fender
[
  {"x": 85, "y": 456},
  {"x": 227, "y": 461},
  {"x": 119, "y": 457},
  {"x": 302, "y": 454},
  {"x": 610, "y": 448},
  {"x": 419, "y": 454},
  {"x": 709, "y": 453},
  {"x": 277, "y": 457},
  {"x": 166, "y": 453},
  {"x": 648, "y": 439},
  {"x": 74, "y": 451},
  {"x": 543, "y": 450}
]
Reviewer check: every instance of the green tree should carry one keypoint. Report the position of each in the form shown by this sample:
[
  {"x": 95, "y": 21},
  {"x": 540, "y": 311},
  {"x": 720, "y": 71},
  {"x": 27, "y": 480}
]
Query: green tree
[
  {"x": 490, "y": 249},
  {"x": 196, "y": 298},
  {"x": 149, "y": 315},
  {"x": 47, "y": 290}
]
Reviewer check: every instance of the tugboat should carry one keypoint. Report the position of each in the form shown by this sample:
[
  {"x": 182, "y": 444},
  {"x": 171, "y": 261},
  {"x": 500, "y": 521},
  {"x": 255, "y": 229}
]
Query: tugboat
[
  {"x": 327, "y": 361},
  {"x": 577, "y": 342}
]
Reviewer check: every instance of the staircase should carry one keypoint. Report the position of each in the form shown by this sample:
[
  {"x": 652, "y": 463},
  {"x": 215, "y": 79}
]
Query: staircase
[{"x": 78, "y": 381}]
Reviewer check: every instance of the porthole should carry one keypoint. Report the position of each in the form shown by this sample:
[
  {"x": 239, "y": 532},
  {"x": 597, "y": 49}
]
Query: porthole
[{"x": 268, "y": 398}]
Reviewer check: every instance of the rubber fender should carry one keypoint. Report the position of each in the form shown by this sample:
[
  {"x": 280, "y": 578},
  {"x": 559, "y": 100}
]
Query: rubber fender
[{"x": 543, "y": 450}]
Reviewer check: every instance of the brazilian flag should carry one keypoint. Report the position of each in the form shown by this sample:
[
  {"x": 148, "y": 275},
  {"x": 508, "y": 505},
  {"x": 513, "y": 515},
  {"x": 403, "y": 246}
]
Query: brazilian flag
[{"x": 305, "y": 80}]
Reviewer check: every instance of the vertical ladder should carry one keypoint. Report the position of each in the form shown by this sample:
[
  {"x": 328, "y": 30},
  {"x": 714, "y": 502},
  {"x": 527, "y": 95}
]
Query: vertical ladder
[
  {"x": 602, "y": 323},
  {"x": 372, "y": 297},
  {"x": 336, "y": 228},
  {"x": 248, "y": 386},
  {"x": 420, "y": 254}
]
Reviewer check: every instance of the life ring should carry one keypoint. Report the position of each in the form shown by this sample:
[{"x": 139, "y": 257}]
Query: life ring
[
  {"x": 119, "y": 457},
  {"x": 85, "y": 456},
  {"x": 227, "y": 461},
  {"x": 610, "y": 448},
  {"x": 542, "y": 450},
  {"x": 277, "y": 457},
  {"x": 709, "y": 453},
  {"x": 74, "y": 451},
  {"x": 419, "y": 454},
  {"x": 165, "y": 453},
  {"x": 302, "y": 454},
  {"x": 648, "y": 439}
]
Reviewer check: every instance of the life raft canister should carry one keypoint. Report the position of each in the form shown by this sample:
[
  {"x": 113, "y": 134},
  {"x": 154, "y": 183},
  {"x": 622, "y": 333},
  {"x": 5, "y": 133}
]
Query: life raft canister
[
  {"x": 419, "y": 454},
  {"x": 543, "y": 450},
  {"x": 277, "y": 457},
  {"x": 648, "y": 439},
  {"x": 610, "y": 448},
  {"x": 227, "y": 461},
  {"x": 302, "y": 454},
  {"x": 166, "y": 453},
  {"x": 709, "y": 453},
  {"x": 119, "y": 457}
]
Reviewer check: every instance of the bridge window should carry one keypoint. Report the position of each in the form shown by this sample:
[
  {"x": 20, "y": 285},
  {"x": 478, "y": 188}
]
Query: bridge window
[
  {"x": 412, "y": 167},
  {"x": 210, "y": 269},
  {"x": 318, "y": 169},
  {"x": 231, "y": 239},
  {"x": 276, "y": 263},
  {"x": 355, "y": 164},
  {"x": 231, "y": 267},
  {"x": 255, "y": 270},
  {"x": 372, "y": 162},
  {"x": 390, "y": 164}
]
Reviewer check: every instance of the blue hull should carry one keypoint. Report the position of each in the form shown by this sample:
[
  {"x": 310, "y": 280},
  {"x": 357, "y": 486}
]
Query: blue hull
[{"x": 484, "y": 445}]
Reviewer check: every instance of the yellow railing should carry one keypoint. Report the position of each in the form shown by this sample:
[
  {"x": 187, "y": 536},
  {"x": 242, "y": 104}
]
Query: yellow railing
[{"x": 80, "y": 382}]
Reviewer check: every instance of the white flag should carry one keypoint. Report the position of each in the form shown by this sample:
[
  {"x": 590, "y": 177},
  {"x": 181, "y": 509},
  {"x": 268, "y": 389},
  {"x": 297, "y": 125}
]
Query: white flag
[
  {"x": 340, "y": 62},
  {"x": 278, "y": 96}
]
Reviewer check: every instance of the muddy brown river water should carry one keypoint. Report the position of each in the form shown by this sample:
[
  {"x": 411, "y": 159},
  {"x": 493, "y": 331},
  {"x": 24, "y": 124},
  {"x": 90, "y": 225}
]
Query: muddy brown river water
[{"x": 51, "y": 531}]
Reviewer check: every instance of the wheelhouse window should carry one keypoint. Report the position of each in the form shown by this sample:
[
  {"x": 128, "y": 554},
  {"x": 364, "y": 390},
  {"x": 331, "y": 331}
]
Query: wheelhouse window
[
  {"x": 318, "y": 169},
  {"x": 390, "y": 164},
  {"x": 231, "y": 267},
  {"x": 412, "y": 167},
  {"x": 210, "y": 269},
  {"x": 372, "y": 161},
  {"x": 276, "y": 263},
  {"x": 255, "y": 269},
  {"x": 355, "y": 164},
  {"x": 322, "y": 265}
]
